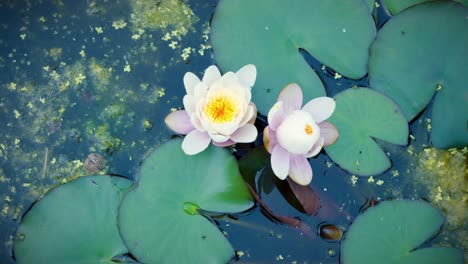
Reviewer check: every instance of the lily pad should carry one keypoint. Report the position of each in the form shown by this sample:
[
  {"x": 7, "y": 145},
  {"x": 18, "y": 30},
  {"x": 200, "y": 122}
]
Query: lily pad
[
  {"x": 396, "y": 6},
  {"x": 370, "y": 4},
  {"x": 160, "y": 218},
  {"x": 420, "y": 54},
  {"x": 337, "y": 33},
  {"x": 392, "y": 233},
  {"x": 361, "y": 115},
  {"x": 74, "y": 223}
]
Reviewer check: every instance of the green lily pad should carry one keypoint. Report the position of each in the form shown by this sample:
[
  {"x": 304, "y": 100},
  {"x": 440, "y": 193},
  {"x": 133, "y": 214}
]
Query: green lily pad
[
  {"x": 160, "y": 219},
  {"x": 264, "y": 33},
  {"x": 392, "y": 232},
  {"x": 421, "y": 53},
  {"x": 74, "y": 223},
  {"x": 396, "y": 6},
  {"x": 370, "y": 4},
  {"x": 361, "y": 115}
]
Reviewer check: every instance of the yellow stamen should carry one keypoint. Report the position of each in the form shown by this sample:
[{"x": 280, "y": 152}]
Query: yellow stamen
[
  {"x": 221, "y": 109},
  {"x": 308, "y": 129}
]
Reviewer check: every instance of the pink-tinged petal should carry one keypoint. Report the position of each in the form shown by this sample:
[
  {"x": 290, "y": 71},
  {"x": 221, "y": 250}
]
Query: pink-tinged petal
[
  {"x": 291, "y": 95},
  {"x": 179, "y": 122},
  {"x": 212, "y": 74},
  {"x": 224, "y": 144},
  {"x": 247, "y": 74},
  {"x": 189, "y": 103},
  {"x": 316, "y": 148},
  {"x": 329, "y": 132},
  {"x": 300, "y": 170},
  {"x": 269, "y": 139},
  {"x": 195, "y": 142},
  {"x": 321, "y": 108},
  {"x": 190, "y": 81},
  {"x": 219, "y": 138},
  {"x": 280, "y": 162},
  {"x": 246, "y": 134},
  {"x": 276, "y": 115}
]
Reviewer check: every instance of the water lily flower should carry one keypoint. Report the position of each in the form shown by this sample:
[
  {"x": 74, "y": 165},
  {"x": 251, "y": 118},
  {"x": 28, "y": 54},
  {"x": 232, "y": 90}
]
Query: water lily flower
[
  {"x": 217, "y": 109},
  {"x": 294, "y": 134}
]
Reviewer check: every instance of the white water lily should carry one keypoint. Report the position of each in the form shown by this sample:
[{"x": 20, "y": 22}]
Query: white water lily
[
  {"x": 217, "y": 109},
  {"x": 294, "y": 134}
]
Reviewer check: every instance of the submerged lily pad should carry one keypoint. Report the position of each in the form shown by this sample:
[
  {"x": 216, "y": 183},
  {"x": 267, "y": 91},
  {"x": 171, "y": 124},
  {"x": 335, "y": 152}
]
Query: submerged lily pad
[
  {"x": 421, "y": 53},
  {"x": 74, "y": 223},
  {"x": 337, "y": 33},
  {"x": 361, "y": 115},
  {"x": 160, "y": 219},
  {"x": 396, "y": 6},
  {"x": 392, "y": 233}
]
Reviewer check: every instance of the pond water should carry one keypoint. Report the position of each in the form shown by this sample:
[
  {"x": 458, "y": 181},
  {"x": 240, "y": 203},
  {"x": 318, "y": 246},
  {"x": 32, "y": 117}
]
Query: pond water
[{"x": 99, "y": 77}]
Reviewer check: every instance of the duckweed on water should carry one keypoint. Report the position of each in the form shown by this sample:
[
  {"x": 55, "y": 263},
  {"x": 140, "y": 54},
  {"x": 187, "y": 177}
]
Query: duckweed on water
[
  {"x": 168, "y": 15},
  {"x": 445, "y": 175},
  {"x": 69, "y": 96}
]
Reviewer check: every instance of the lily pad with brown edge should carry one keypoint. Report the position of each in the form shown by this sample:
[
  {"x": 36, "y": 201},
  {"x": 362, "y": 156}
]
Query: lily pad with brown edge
[
  {"x": 421, "y": 55},
  {"x": 74, "y": 223},
  {"x": 393, "y": 232},
  {"x": 361, "y": 116},
  {"x": 160, "y": 219},
  {"x": 396, "y": 6},
  {"x": 270, "y": 35}
]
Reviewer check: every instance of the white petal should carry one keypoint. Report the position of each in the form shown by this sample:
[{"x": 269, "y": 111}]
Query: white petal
[
  {"x": 248, "y": 115},
  {"x": 224, "y": 128},
  {"x": 298, "y": 132},
  {"x": 276, "y": 115},
  {"x": 321, "y": 108},
  {"x": 196, "y": 122},
  {"x": 200, "y": 91},
  {"x": 189, "y": 103},
  {"x": 190, "y": 81},
  {"x": 254, "y": 117},
  {"x": 247, "y": 74},
  {"x": 246, "y": 134},
  {"x": 224, "y": 144},
  {"x": 300, "y": 170},
  {"x": 219, "y": 138},
  {"x": 280, "y": 162},
  {"x": 291, "y": 96},
  {"x": 212, "y": 74},
  {"x": 329, "y": 132},
  {"x": 195, "y": 142},
  {"x": 316, "y": 148}
]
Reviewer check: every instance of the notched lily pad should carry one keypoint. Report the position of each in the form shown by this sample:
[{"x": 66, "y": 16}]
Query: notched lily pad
[
  {"x": 74, "y": 223},
  {"x": 392, "y": 232},
  {"x": 396, "y": 6},
  {"x": 361, "y": 115},
  {"x": 160, "y": 218},
  {"x": 337, "y": 33},
  {"x": 419, "y": 54}
]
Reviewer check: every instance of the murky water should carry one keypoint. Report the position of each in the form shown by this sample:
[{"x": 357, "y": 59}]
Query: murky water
[{"x": 98, "y": 77}]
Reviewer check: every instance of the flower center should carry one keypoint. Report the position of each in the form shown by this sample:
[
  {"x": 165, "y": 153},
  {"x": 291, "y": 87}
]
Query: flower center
[
  {"x": 221, "y": 109},
  {"x": 298, "y": 132}
]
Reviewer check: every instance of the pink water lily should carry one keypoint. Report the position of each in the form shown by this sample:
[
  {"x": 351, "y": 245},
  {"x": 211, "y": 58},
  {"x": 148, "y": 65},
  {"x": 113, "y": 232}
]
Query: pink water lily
[
  {"x": 217, "y": 109},
  {"x": 294, "y": 134}
]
